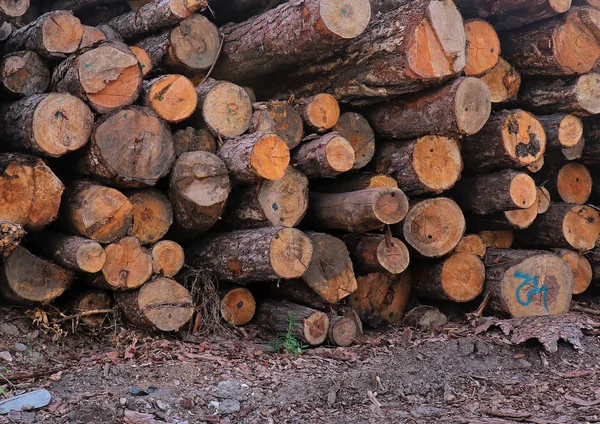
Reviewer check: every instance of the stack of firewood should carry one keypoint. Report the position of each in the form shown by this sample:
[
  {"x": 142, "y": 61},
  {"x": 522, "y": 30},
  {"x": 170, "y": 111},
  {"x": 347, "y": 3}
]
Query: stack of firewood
[{"x": 328, "y": 158}]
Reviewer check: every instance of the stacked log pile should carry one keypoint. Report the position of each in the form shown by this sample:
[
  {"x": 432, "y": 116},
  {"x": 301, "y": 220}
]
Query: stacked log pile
[{"x": 323, "y": 160}]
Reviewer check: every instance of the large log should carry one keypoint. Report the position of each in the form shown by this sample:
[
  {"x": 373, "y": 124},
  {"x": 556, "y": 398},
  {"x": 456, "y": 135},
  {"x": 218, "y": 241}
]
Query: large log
[
  {"x": 193, "y": 140},
  {"x": 27, "y": 279},
  {"x": 570, "y": 183},
  {"x": 127, "y": 266},
  {"x": 377, "y": 253},
  {"x": 525, "y": 283},
  {"x": 356, "y": 129},
  {"x": 483, "y": 47},
  {"x": 172, "y": 97},
  {"x": 324, "y": 156},
  {"x": 46, "y": 124},
  {"x": 278, "y": 117},
  {"x": 92, "y": 300},
  {"x": 580, "y": 267},
  {"x": 237, "y": 304},
  {"x": 430, "y": 164},
  {"x": 562, "y": 131},
  {"x": 24, "y": 74},
  {"x": 357, "y": 211},
  {"x": 73, "y": 252},
  {"x": 161, "y": 305},
  {"x": 11, "y": 235},
  {"x": 319, "y": 113},
  {"x": 253, "y": 255},
  {"x": 503, "y": 81},
  {"x": 30, "y": 193},
  {"x": 472, "y": 244},
  {"x": 168, "y": 258}
]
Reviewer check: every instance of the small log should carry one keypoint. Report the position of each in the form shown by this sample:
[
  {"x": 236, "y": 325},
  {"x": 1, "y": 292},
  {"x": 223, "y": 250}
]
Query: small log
[
  {"x": 324, "y": 156},
  {"x": 357, "y": 211},
  {"x": 472, "y": 244},
  {"x": 280, "y": 118},
  {"x": 73, "y": 252},
  {"x": 503, "y": 81},
  {"x": 510, "y": 139},
  {"x": 13, "y": 9},
  {"x": 377, "y": 253},
  {"x": 253, "y": 255},
  {"x": 10, "y": 237},
  {"x": 483, "y": 47},
  {"x": 24, "y": 74},
  {"x": 269, "y": 203},
  {"x": 562, "y": 130},
  {"x": 96, "y": 212},
  {"x": 433, "y": 227},
  {"x": 356, "y": 182},
  {"x": 461, "y": 107},
  {"x": 527, "y": 283},
  {"x": 239, "y": 10},
  {"x": 131, "y": 147},
  {"x": 430, "y": 164},
  {"x": 342, "y": 330},
  {"x": 536, "y": 166},
  {"x": 167, "y": 258},
  {"x": 107, "y": 77},
  {"x": 30, "y": 193},
  {"x": 570, "y": 183},
  {"x": 54, "y": 35},
  {"x": 457, "y": 278},
  {"x": 575, "y": 152},
  {"x": 88, "y": 301},
  {"x": 309, "y": 326},
  {"x": 152, "y": 215},
  {"x": 580, "y": 267},
  {"x": 26, "y": 279},
  {"x": 497, "y": 239},
  {"x": 91, "y": 36},
  {"x": 237, "y": 304},
  {"x": 319, "y": 113},
  {"x": 356, "y": 129},
  {"x": 47, "y": 124},
  {"x": 193, "y": 140},
  {"x": 544, "y": 200},
  {"x": 252, "y": 157},
  {"x": 506, "y": 220},
  {"x": 425, "y": 317},
  {"x": 128, "y": 266},
  {"x": 160, "y": 305},
  {"x": 172, "y": 97},
  {"x": 143, "y": 59},
  {"x": 381, "y": 298}
]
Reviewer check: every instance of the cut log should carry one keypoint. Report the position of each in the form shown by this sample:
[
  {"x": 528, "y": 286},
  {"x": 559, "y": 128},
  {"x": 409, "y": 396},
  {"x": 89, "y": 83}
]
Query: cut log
[
  {"x": 226, "y": 108},
  {"x": 562, "y": 130},
  {"x": 591, "y": 3},
  {"x": 143, "y": 59},
  {"x": 27, "y": 279},
  {"x": 342, "y": 330},
  {"x": 377, "y": 253},
  {"x": 167, "y": 258},
  {"x": 257, "y": 156},
  {"x": 472, "y": 244},
  {"x": 523, "y": 283},
  {"x": 30, "y": 193},
  {"x": 357, "y": 211},
  {"x": 433, "y": 227},
  {"x": 253, "y": 255},
  {"x": 497, "y": 239},
  {"x": 425, "y": 317},
  {"x": 199, "y": 187},
  {"x": 505, "y": 220},
  {"x": 10, "y": 237},
  {"x": 96, "y": 212},
  {"x": 578, "y": 95},
  {"x": 564, "y": 45},
  {"x": 309, "y": 326},
  {"x": 152, "y": 215},
  {"x": 593, "y": 257},
  {"x": 324, "y": 156},
  {"x": 483, "y": 47},
  {"x": 430, "y": 164},
  {"x": 544, "y": 200},
  {"x": 510, "y": 139},
  {"x": 571, "y": 183},
  {"x": 296, "y": 291},
  {"x": 319, "y": 113},
  {"x": 278, "y": 117},
  {"x": 107, "y": 77},
  {"x": 503, "y": 81},
  {"x": 128, "y": 266},
  {"x": 566, "y": 226},
  {"x": 91, "y": 36},
  {"x": 381, "y": 298},
  {"x": 24, "y": 74},
  {"x": 461, "y": 107},
  {"x": 536, "y": 166},
  {"x": 457, "y": 278},
  {"x": 356, "y": 129},
  {"x": 129, "y": 148},
  {"x": 73, "y": 252},
  {"x": 161, "y": 305},
  {"x": 6, "y": 30},
  {"x": 272, "y": 42},
  {"x": 54, "y": 35},
  {"x": 498, "y": 191},
  {"x": 11, "y": 9},
  {"x": 172, "y": 97},
  {"x": 356, "y": 182},
  {"x": 89, "y": 301},
  {"x": 193, "y": 140},
  {"x": 580, "y": 267},
  {"x": 47, "y": 124},
  {"x": 591, "y": 134},
  {"x": 237, "y": 304},
  {"x": 270, "y": 203}
]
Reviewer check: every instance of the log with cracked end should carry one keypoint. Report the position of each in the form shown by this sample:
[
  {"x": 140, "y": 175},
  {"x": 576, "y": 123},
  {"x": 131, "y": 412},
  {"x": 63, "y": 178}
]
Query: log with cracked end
[
  {"x": 172, "y": 97},
  {"x": 278, "y": 117},
  {"x": 483, "y": 47},
  {"x": 320, "y": 112},
  {"x": 544, "y": 199},
  {"x": 473, "y": 244},
  {"x": 76, "y": 253},
  {"x": 342, "y": 330},
  {"x": 168, "y": 258},
  {"x": 503, "y": 81},
  {"x": 152, "y": 215},
  {"x": 377, "y": 253}
]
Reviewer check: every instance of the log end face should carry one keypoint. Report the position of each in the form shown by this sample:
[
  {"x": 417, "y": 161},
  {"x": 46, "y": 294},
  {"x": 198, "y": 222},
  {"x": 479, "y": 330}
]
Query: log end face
[
  {"x": 581, "y": 227},
  {"x": 195, "y": 43},
  {"x": 184, "y": 8},
  {"x": 128, "y": 265},
  {"x": 315, "y": 328},
  {"x": 588, "y": 92},
  {"x": 14, "y": 9},
  {"x": 523, "y": 191},
  {"x": 390, "y": 205},
  {"x": 560, "y": 6},
  {"x": 472, "y": 105},
  {"x": 93, "y": 301},
  {"x": 575, "y": 43},
  {"x": 173, "y": 98},
  {"x": 323, "y": 112},
  {"x": 290, "y": 253},
  {"x": 340, "y": 154},
  {"x": 90, "y": 257},
  {"x": 570, "y": 131},
  {"x": 152, "y": 216},
  {"x": 574, "y": 183},
  {"x": 499, "y": 239},
  {"x": 543, "y": 198},
  {"x": 463, "y": 276},
  {"x": 473, "y": 244},
  {"x": 356, "y": 129},
  {"x": 581, "y": 269},
  {"x": 503, "y": 81},
  {"x": 166, "y": 304},
  {"x": 437, "y": 162},
  {"x": 24, "y": 73},
  {"x": 343, "y": 332},
  {"x": 238, "y": 306},
  {"x": 522, "y": 218},
  {"x": 524, "y": 137},
  {"x": 270, "y": 157},
  {"x": 62, "y": 33},
  {"x": 227, "y": 110},
  {"x": 483, "y": 47},
  {"x": 393, "y": 256},
  {"x": 143, "y": 59},
  {"x": 285, "y": 201},
  {"x": 345, "y": 18},
  {"x": 103, "y": 214},
  {"x": 168, "y": 258}
]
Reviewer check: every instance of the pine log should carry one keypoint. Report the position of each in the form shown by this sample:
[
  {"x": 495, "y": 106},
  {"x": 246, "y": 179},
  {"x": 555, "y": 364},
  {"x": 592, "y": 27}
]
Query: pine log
[
  {"x": 11, "y": 9},
  {"x": 430, "y": 164},
  {"x": 269, "y": 203},
  {"x": 433, "y": 227},
  {"x": 564, "y": 225},
  {"x": 498, "y": 191},
  {"x": 510, "y": 139},
  {"x": 575, "y": 152},
  {"x": 193, "y": 140},
  {"x": 562, "y": 130},
  {"x": 96, "y": 212},
  {"x": 503, "y": 81},
  {"x": 72, "y": 252},
  {"x": 525, "y": 283},
  {"x": 497, "y": 239},
  {"x": 319, "y": 113},
  {"x": 342, "y": 330},
  {"x": 30, "y": 193},
  {"x": 27, "y": 279},
  {"x": 161, "y": 305},
  {"x": 252, "y": 157},
  {"x": 381, "y": 298},
  {"x": 324, "y": 156},
  {"x": 10, "y": 237},
  {"x": 544, "y": 199},
  {"x": 6, "y": 30},
  {"x": 199, "y": 187},
  {"x": 237, "y": 304},
  {"x": 472, "y": 244},
  {"x": 172, "y": 97},
  {"x": 567, "y": 44},
  {"x": 577, "y": 95},
  {"x": 357, "y": 211},
  {"x": 580, "y": 267},
  {"x": 152, "y": 215},
  {"x": 461, "y": 107},
  {"x": 591, "y": 134},
  {"x": 377, "y": 253},
  {"x": 296, "y": 291},
  {"x": 309, "y": 326},
  {"x": 356, "y": 182},
  {"x": 483, "y": 47},
  {"x": 168, "y": 258},
  {"x": 253, "y": 255},
  {"x": 272, "y": 41},
  {"x": 91, "y": 36},
  {"x": 24, "y": 74},
  {"x": 505, "y": 220},
  {"x": 278, "y": 117},
  {"x": 54, "y": 35},
  {"x": 47, "y": 124},
  {"x": 92, "y": 300},
  {"x": 457, "y": 278},
  {"x": 570, "y": 183},
  {"x": 131, "y": 147},
  {"x": 128, "y": 266},
  {"x": 536, "y": 166},
  {"x": 143, "y": 59},
  {"x": 356, "y": 129}
]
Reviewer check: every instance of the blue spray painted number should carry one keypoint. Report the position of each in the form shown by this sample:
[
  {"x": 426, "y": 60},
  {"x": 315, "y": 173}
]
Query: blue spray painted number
[{"x": 535, "y": 289}]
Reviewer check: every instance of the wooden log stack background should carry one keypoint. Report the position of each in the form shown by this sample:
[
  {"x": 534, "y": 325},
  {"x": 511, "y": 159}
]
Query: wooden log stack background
[{"x": 326, "y": 159}]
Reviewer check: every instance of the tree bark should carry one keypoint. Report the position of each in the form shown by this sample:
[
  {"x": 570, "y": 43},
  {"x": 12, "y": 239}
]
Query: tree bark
[
  {"x": 152, "y": 215},
  {"x": 324, "y": 156},
  {"x": 472, "y": 244},
  {"x": 580, "y": 267},
  {"x": 593, "y": 256},
  {"x": 168, "y": 258},
  {"x": 239, "y": 10},
  {"x": 591, "y": 151},
  {"x": 172, "y": 97},
  {"x": 10, "y": 237},
  {"x": 93, "y": 12},
  {"x": 544, "y": 199},
  {"x": 24, "y": 74},
  {"x": 356, "y": 182},
  {"x": 193, "y": 140},
  {"x": 143, "y": 59},
  {"x": 73, "y": 252},
  {"x": 519, "y": 219},
  {"x": 503, "y": 81},
  {"x": 92, "y": 300},
  {"x": 497, "y": 239},
  {"x": 319, "y": 113},
  {"x": 296, "y": 291},
  {"x": 377, "y": 253},
  {"x": 483, "y": 47},
  {"x": 278, "y": 117},
  {"x": 356, "y": 129},
  {"x": 562, "y": 130},
  {"x": 570, "y": 183},
  {"x": 342, "y": 330},
  {"x": 237, "y": 304}
]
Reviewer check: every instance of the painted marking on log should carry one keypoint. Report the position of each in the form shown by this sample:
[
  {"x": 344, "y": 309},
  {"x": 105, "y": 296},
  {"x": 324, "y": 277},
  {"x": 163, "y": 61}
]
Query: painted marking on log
[
  {"x": 88, "y": 65},
  {"x": 535, "y": 289}
]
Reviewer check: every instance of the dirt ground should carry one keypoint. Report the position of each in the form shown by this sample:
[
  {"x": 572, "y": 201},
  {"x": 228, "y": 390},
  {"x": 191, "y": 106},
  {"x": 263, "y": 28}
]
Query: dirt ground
[{"x": 476, "y": 370}]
